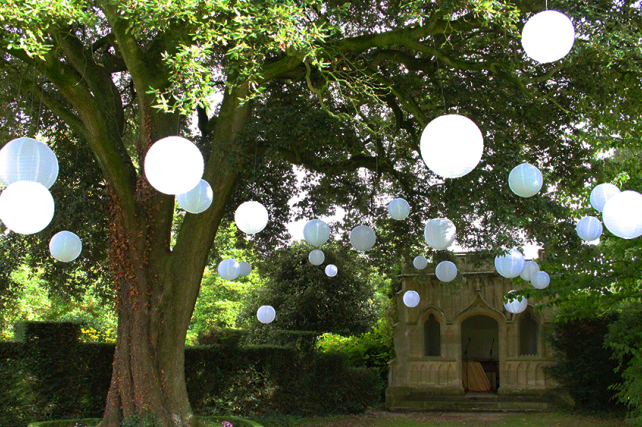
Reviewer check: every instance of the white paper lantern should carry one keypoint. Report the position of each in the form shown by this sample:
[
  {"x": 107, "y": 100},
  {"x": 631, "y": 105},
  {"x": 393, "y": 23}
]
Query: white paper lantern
[
  {"x": 439, "y": 233},
  {"x": 623, "y": 214},
  {"x": 516, "y": 305},
  {"x": 26, "y": 207},
  {"x": 446, "y": 271},
  {"x": 316, "y": 232},
  {"x": 525, "y": 180},
  {"x": 540, "y": 280},
  {"x": 601, "y": 194},
  {"x": 229, "y": 269},
  {"x": 251, "y": 217},
  {"x": 174, "y": 165},
  {"x": 198, "y": 199},
  {"x": 420, "y": 262},
  {"x": 451, "y": 145},
  {"x": 362, "y": 238},
  {"x": 65, "y": 246},
  {"x": 266, "y": 314},
  {"x": 331, "y": 270},
  {"x": 589, "y": 228},
  {"x": 511, "y": 264},
  {"x": 548, "y": 36},
  {"x": 27, "y": 159},
  {"x": 530, "y": 267},
  {"x": 411, "y": 299},
  {"x": 245, "y": 268},
  {"x": 316, "y": 257},
  {"x": 398, "y": 209}
]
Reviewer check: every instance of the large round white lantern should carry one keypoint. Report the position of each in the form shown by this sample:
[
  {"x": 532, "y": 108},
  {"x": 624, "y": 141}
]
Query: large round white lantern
[
  {"x": 515, "y": 304},
  {"x": 440, "y": 233},
  {"x": 589, "y": 228},
  {"x": 530, "y": 267},
  {"x": 420, "y": 262},
  {"x": 511, "y": 264},
  {"x": 331, "y": 270},
  {"x": 362, "y": 238},
  {"x": 251, "y": 217},
  {"x": 229, "y": 269},
  {"x": 245, "y": 268},
  {"x": 316, "y": 232},
  {"x": 451, "y": 145},
  {"x": 411, "y": 299},
  {"x": 525, "y": 180},
  {"x": 266, "y": 314},
  {"x": 540, "y": 280},
  {"x": 174, "y": 165},
  {"x": 198, "y": 199},
  {"x": 26, "y": 207},
  {"x": 446, "y": 271},
  {"x": 623, "y": 214},
  {"x": 601, "y": 194},
  {"x": 316, "y": 257},
  {"x": 27, "y": 159},
  {"x": 548, "y": 36},
  {"x": 65, "y": 246},
  {"x": 398, "y": 209}
]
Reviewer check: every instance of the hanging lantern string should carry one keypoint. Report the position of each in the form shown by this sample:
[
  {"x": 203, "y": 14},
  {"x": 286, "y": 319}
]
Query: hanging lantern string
[
  {"x": 42, "y": 90},
  {"x": 33, "y": 91},
  {"x": 441, "y": 86}
]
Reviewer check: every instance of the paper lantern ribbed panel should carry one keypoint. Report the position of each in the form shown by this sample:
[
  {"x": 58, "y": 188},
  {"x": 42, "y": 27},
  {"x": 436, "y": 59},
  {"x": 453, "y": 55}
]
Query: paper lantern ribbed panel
[
  {"x": 228, "y": 269},
  {"x": 601, "y": 194},
  {"x": 589, "y": 228},
  {"x": 266, "y": 314},
  {"x": 316, "y": 257},
  {"x": 516, "y": 305},
  {"x": 451, "y": 145},
  {"x": 525, "y": 180},
  {"x": 198, "y": 199},
  {"x": 174, "y": 165},
  {"x": 411, "y": 299},
  {"x": 440, "y": 233},
  {"x": 27, "y": 159},
  {"x": 245, "y": 268},
  {"x": 540, "y": 280},
  {"x": 251, "y": 217},
  {"x": 420, "y": 262},
  {"x": 530, "y": 267},
  {"x": 316, "y": 232},
  {"x": 398, "y": 209},
  {"x": 446, "y": 271},
  {"x": 623, "y": 214},
  {"x": 548, "y": 36},
  {"x": 331, "y": 270},
  {"x": 65, "y": 246},
  {"x": 362, "y": 238},
  {"x": 26, "y": 207},
  {"x": 511, "y": 264}
]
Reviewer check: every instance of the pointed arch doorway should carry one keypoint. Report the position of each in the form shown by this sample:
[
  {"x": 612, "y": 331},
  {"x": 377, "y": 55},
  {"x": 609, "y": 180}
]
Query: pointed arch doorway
[{"x": 480, "y": 357}]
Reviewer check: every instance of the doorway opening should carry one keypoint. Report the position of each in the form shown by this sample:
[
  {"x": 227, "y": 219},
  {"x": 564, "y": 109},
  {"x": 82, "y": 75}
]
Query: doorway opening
[{"x": 480, "y": 358}]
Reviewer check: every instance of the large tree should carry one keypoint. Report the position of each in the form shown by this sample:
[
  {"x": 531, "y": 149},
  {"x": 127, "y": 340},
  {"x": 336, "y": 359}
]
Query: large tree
[{"x": 341, "y": 89}]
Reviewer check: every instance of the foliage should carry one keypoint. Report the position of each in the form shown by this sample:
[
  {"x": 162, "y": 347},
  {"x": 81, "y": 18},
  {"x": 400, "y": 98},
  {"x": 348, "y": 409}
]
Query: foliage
[{"x": 16, "y": 402}]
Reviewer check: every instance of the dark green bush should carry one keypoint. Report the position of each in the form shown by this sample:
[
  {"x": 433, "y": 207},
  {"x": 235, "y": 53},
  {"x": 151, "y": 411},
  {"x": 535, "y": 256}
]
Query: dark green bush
[{"x": 16, "y": 403}]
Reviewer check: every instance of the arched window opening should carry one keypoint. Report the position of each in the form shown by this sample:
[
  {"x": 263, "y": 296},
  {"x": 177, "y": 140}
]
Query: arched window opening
[
  {"x": 432, "y": 337},
  {"x": 527, "y": 335}
]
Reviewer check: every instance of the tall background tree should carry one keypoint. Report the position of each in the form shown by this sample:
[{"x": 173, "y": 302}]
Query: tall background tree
[{"x": 339, "y": 89}]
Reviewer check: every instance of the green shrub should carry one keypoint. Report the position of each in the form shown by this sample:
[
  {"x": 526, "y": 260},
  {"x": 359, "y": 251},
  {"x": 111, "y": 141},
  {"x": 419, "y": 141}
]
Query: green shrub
[{"x": 16, "y": 403}]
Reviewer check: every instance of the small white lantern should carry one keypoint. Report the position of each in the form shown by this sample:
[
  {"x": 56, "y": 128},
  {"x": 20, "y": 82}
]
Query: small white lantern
[
  {"x": 251, "y": 217},
  {"x": 411, "y": 299},
  {"x": 174, "y": 165},
  {"x": 440, "y": 233},
  {"x": 316, "y": 257},
  {"x": 266, "y": 314},
  {"x": 316, "y": 232},
  {"x": 540, "y": 280},
  {"x": 245, "y": 268},
  {"x": 420, "y": 262},
  {"x": 198, "y": 199},
  {"x": 623, "y": 214},
  {"x": 331, "y": 270},
  {"x": 27, "y": 159},
  {"x": 228, "y": 269},
  {"x": 548, "y": 36},
  {"x": 525, "y": 180},
  {"x": 511, "y": 264},
  {"x": 26, "y": 207},
  {"x": 516, "y": 305},
  {"x": 65, "y": 246},
  {"x": 362, "y": 238},
  {"x": 398, "y": 209},
  {"x": 451, "y": 145},
  {"x": 601, "y": 194},
  {"x": 446, "y": 271},
  {"x": 530, "y": 267},
  {"x": 589, "y": 228}
]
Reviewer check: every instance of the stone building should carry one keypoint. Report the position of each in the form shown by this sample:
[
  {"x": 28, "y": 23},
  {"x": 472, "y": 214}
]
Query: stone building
[{"x": 461, "y": 339}]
